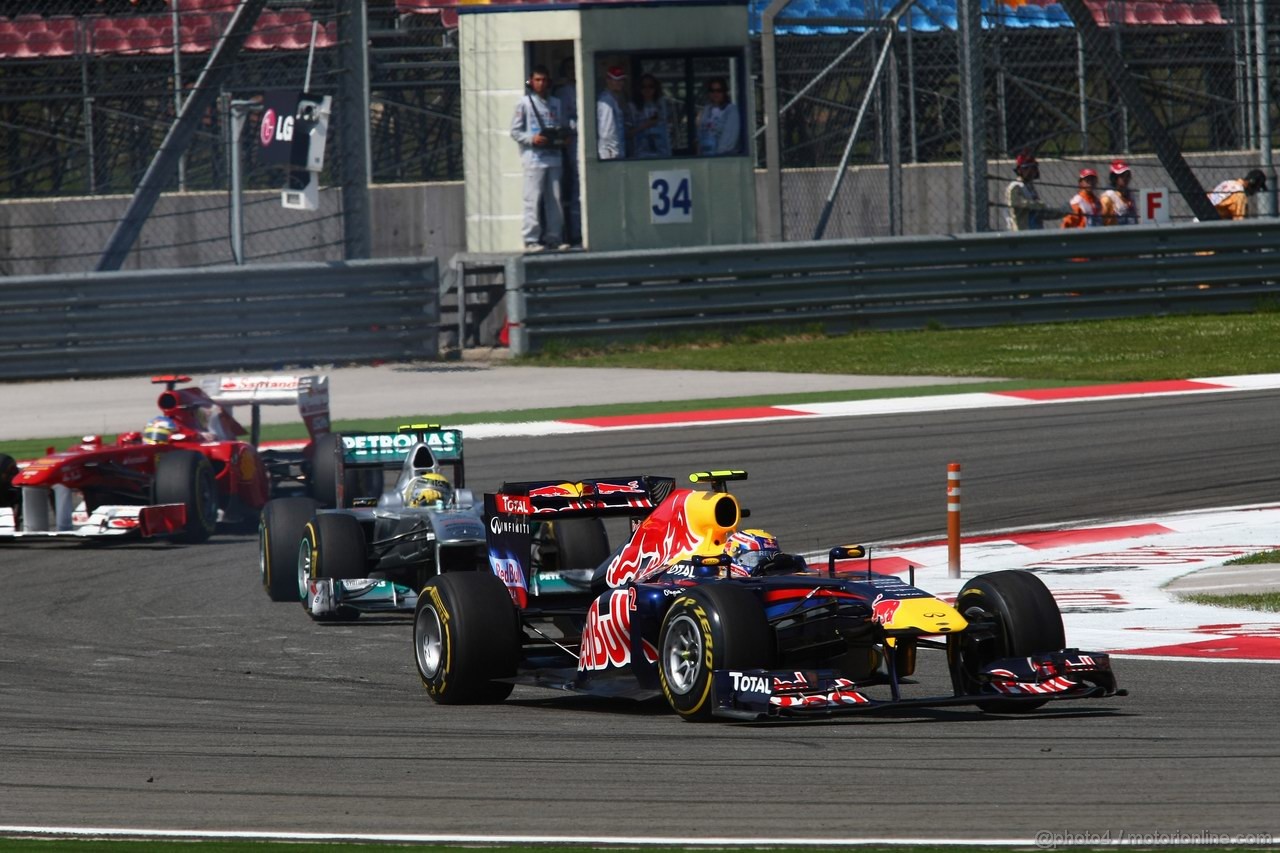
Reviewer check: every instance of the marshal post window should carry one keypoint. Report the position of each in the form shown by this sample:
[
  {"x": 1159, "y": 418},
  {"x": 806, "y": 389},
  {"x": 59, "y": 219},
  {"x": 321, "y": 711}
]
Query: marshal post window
[{"x": 655, "y": 106}]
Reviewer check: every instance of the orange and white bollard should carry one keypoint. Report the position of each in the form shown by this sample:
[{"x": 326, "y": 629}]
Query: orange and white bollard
[{"x": 953, "y": 519}]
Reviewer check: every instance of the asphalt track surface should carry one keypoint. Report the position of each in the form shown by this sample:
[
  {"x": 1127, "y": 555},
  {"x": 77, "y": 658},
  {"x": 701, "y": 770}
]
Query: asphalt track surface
[{"x": 154, "y": 685}]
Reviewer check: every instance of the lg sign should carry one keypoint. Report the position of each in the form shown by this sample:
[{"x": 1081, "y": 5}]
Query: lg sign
[{"x": 276, "y": 127}]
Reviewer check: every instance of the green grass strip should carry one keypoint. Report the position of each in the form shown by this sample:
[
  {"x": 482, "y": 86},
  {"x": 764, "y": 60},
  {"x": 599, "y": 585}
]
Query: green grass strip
[
  {"x": 1267, "y": 602},
  {"x": 1098, "y": 351},
  {"x": 1261, "y": 558}
]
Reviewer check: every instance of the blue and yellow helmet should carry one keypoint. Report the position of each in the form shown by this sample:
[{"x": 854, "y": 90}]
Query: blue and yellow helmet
[{"x": 159, "y": 430}]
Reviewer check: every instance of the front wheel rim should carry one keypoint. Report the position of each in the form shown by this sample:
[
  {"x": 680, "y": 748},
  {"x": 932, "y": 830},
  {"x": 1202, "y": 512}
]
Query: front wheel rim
[
  {"x": 304, "y": 567},
  {"x": 682, "y": 654},
  {"x": 428, "y": 642}
]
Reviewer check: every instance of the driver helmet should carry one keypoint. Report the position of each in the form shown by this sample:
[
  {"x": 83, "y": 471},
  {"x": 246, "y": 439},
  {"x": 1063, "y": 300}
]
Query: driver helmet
[
  {"x": 751, "y": 549},
  {"x": 159, "y": 430},
  {"x": 428, "y": 489}
]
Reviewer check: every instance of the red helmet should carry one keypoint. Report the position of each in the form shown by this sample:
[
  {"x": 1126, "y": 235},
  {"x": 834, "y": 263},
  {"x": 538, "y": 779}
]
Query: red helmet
[{"x": 1088, "y": 173}]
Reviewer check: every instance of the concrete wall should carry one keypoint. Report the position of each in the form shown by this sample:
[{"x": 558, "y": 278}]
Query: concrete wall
[{"x": 191, "y": 229}]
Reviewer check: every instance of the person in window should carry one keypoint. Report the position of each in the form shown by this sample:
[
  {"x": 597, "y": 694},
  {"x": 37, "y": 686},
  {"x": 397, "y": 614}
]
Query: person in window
[
  {"x": 539, "y": 129},
  {"x": 651, "y": 121},
  {"x": 719, "y": 125},
  {"x": 611, "y": 125}
]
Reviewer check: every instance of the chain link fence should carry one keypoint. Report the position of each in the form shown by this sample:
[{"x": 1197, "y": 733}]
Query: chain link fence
[
  {"x": 89, "y": 88},
  {"x": 1195, "y": 62}
]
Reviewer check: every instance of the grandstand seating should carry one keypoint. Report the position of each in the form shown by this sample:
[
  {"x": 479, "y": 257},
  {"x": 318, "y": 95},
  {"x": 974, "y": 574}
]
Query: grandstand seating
[
  {"x": 200, "y": 24},
  {"x": 933, "y": 15}
]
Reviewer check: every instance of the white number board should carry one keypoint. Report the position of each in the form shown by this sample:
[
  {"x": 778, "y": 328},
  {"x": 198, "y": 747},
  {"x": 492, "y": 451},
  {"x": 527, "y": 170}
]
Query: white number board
[{"x": 670, "y": 197}]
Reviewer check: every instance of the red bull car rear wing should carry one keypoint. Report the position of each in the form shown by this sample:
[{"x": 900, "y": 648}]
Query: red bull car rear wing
[{"x": 602, "y": 497}]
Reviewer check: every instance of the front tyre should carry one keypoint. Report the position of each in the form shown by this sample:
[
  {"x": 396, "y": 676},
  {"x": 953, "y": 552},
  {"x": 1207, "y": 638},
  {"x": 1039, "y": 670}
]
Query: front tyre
[
  {"x": 185, "y": 477},
  {"x": 1011, "y": 614},
  {"x": 717, "y": 626},
  {"x": 279, "y": 531},
  {"x": 332, "y": 546},
  {"x": 466, "y": 633}
]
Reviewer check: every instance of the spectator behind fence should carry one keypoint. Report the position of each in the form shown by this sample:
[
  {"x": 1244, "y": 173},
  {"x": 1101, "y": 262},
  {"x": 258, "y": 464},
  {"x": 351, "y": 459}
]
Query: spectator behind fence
[
  {"x": 719, "y": 125},
  {"x": 611, "y": 127},
  {"x": 1231, "y": 197},
  {"x": 1086, "y": 209},
  {"x": 1026, "y": 209},
  {"x": 1118, "y": 206},
  {"x": 570, "y": 198},
  {"x": 538, "y": 128},
  {"x": 651, "y": 121}
]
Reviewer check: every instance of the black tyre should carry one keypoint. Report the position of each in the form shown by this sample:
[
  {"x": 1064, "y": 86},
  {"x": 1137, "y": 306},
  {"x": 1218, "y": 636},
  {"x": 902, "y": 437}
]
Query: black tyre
[
  {"x": 466, "y": 633},
  {"x": 1011, "y": 614},
  {"x": 717, "y": 626},
  {"x": 582, "y": 542},
  {"x": 332, "y": 546},
  {"x": 186, "y": 477},
  {"x": 323, "y": 481},
  {"x": 8, "y": 470},
  {"x": 279, "y": 532}
]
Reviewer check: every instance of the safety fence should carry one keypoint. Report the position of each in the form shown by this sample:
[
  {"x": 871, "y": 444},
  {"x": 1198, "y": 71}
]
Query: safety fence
[
  {"x": 218, "y": 318},
  {"x": 894, "y": 283}
]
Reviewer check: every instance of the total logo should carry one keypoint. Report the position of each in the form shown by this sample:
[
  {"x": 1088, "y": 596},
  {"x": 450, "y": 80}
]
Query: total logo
[
  {"x": 276, "y": 127},
  {"x": 744, "y": 683},
  {"x": 514, "y": 504}
]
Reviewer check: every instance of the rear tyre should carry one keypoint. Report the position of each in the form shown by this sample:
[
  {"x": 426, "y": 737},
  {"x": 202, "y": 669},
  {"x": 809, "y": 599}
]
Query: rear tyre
[
  {"x": 8, "y": 470},
  {"x": 716, "y": 626},
  {"x": 582, "y": 542},
  {"x": 185, "y": 477},
  {"x": 466, "y": 633},
  {"x": 357, "y": 482},
  {"x": 279, "y": 532},
  {"x": 1011, "y": 614},
  {"x": 332, "y": 546}
]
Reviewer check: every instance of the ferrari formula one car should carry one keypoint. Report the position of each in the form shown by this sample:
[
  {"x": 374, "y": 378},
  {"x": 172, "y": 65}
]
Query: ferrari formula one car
[
  {"x": 373, "y": 554},
  {"x": 671, "y": 614},
  {"x": 180, "y": 483}
]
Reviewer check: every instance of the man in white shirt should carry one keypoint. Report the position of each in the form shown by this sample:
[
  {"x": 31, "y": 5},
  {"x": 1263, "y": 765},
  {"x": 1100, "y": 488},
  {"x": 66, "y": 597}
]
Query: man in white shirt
[
  {"x": 719, "y": 125},
  {"x": 539, "y": 129},
  {"x": 611, "y": 131}
]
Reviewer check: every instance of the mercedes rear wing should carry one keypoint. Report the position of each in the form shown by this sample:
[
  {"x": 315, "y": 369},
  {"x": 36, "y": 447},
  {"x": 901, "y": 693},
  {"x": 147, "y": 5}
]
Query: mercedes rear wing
[
  {"x": 310, "y": 393},
  {"x": 387, "y": 451}
]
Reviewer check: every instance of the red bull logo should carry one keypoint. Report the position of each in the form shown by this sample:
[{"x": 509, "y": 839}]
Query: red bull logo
[
  {"x": 661, "y": 538},
  {"x": 883, "y": 609},
  {"x": 632, "y": 486},
  {"x": 606, "y": 637},
  {"x": 557, "y": 490}
]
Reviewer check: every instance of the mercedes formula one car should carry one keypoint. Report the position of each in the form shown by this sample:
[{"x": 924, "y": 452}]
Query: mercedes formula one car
[
  {"x": 177, "y": 479},
  {"x": 373, "y": 553},
  {"x": 670, "y": 614}
]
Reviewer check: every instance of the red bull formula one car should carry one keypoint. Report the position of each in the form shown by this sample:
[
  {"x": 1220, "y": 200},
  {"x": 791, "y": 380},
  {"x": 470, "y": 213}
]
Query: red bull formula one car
[
  {"x": 671, "y": 614},
  {"x": 189, "y": 470}
]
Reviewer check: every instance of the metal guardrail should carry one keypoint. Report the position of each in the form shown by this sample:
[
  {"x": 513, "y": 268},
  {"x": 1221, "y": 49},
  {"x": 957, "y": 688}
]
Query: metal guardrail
[
  {"x": 218, "y": 318},
  {"x": 895, "y": 283}
]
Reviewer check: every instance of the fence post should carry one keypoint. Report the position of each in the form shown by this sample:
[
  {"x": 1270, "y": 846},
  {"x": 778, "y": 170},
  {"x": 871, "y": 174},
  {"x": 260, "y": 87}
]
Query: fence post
[
  {"x": 517, "y": 333},
  {"x": 953, "y": 519}
]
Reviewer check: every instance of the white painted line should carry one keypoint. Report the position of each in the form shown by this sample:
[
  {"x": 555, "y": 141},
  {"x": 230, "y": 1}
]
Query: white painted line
[
  {"x": 1190, "y": 659},
  {"x": 592, "y": 840}
]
